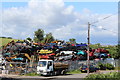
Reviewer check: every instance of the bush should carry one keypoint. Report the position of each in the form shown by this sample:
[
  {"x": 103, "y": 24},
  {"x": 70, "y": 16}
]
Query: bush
[
  {"x": 109, "y": 66},
  {"x": 9, "y": 37},
  {"x": 108, "y": 76},
  {"x": 101, "y": 66},
  {"x": 105, "y": 66}
]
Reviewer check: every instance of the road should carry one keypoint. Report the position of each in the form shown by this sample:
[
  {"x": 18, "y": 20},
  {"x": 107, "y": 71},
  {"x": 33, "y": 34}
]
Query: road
[
  {"x": 67, "y": 76},
  {"x": 63, "y": 77}
]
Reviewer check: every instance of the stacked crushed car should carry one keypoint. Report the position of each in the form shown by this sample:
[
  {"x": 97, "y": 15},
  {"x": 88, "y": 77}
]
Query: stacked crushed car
[{"x": 21, "y": 51}]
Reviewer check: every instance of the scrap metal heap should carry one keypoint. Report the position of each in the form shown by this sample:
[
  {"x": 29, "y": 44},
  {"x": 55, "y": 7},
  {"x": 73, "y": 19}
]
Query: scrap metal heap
[{"x": 22, "y": 51}]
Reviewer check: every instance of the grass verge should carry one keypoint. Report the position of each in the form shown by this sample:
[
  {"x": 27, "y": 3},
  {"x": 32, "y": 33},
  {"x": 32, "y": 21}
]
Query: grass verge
[
  {"x": 32, "y": 74},
  {"x": 117, "y": 68},
  {"x": 108, "y": 76},
  {"x": 77, "y": 71}
]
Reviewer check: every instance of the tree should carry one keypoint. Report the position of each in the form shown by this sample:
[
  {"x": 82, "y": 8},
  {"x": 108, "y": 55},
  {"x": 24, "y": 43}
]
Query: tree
[
  {"x": 48, "y": 38},
  {"x": 114, "y": 51},
  {"x": 72, "y": 40},
  {"x": 29, "y": 39},
  {"x": 38, "y": 35},
  {"x": 95, "y": 46},
  {"x": 98, "y": 44}
]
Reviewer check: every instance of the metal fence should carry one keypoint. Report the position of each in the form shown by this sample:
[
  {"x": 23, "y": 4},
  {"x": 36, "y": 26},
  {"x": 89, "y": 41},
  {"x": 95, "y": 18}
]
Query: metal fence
[
  {"x": 17, "y": 68},
  {"x": 77, "y": 64},
  {"x": 23, "y": 68}
]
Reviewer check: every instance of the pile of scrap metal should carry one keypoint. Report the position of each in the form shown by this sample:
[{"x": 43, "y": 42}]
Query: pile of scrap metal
[
  {"x": 101, "y": 53},
  {"x": 71, "y": 52},
  {"x": 19, "y": 51},
  {"x": 46, "y": 54},
  {"x": 58, "y": 51}
]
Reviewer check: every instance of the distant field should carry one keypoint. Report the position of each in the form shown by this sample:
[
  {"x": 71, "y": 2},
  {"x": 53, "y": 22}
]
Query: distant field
[{"x": 4, "y": 41}]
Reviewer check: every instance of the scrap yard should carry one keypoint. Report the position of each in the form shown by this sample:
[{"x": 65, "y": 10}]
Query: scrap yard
[
  {"x": 55, "y": 58},
  {"x": 59, "y": 39}
]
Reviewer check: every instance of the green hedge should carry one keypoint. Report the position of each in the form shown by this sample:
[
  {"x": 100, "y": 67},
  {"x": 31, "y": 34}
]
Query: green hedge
[
  {"x": 109, "y": 66},
  {"x": 106, "y": 66},
  {"x": 108, "y": 76}
]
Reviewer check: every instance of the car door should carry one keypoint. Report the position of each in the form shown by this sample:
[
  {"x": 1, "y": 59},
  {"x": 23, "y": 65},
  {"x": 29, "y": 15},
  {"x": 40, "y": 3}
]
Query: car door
[
  {"x": 92, "y": 68},
  {"x": 50, "y": 66}
]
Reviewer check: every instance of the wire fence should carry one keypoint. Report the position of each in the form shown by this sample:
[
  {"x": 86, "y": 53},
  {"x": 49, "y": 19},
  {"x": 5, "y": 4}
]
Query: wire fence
[
  {"x": 17, "y": 68},
  {"x": 77, "y": 64},
  {"x": 24, "y": 68}
]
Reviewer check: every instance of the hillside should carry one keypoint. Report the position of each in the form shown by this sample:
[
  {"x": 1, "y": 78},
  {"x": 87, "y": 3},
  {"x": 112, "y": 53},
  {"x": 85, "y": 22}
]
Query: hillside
[{"x": 4, "y": 41}]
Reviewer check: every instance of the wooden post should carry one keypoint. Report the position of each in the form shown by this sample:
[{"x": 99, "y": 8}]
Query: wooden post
[{"x": 88, "y": 48}]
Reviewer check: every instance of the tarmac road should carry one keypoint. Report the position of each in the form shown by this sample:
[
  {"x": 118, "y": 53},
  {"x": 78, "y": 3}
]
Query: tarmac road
[{"x": 63, "y": 77}]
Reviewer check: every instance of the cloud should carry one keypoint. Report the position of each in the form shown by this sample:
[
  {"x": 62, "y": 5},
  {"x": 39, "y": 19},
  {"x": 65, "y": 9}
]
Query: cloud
[{"x": 63, "y": 21}]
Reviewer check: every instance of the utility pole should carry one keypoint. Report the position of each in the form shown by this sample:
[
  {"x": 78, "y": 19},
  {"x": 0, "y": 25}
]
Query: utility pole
[{"x": 88, "y": 48}]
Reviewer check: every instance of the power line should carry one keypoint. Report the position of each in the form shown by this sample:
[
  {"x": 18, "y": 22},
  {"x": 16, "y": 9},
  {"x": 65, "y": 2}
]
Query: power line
[
  {"x": 104, "y": 29},
  {"x": 103, "y": 18},
  {"x": 89, "y": 39}
]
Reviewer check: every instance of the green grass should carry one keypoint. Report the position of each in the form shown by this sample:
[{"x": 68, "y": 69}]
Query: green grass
[
  {"x": 32, "y": 74},
  {"x": 77, "y": 71},
  {"x": 117, "y": 68},
  {"x": 4, "y": 41},
  {"x": 108, "y": 76}
]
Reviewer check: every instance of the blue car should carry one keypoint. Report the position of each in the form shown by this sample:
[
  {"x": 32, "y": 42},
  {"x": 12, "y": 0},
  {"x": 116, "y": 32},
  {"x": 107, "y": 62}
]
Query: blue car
[
  {"x": 103, "y": 55},
  {"x": 91, "y": 68}
]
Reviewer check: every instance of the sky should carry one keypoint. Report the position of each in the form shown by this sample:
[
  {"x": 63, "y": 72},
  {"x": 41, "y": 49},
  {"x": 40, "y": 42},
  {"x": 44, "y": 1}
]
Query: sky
[{"x": 64, "y": 20}]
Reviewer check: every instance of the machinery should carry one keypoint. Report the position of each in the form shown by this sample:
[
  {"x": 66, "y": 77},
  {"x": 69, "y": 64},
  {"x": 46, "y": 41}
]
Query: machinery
[{"x": 49, "y": 67}]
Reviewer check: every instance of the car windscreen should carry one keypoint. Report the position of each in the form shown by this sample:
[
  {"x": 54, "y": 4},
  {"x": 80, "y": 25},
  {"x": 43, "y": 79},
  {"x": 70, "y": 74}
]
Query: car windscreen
[
  {"x": 84, "y": 66},
  {"x": 42, "y": 63}
]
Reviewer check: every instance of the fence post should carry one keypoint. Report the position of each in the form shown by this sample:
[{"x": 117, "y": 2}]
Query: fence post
[{"x": 26, "y": 66}]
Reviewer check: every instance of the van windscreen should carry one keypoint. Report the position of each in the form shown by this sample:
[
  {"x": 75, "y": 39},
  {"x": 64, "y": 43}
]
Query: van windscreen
[{"x": 42, "y": 63}]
